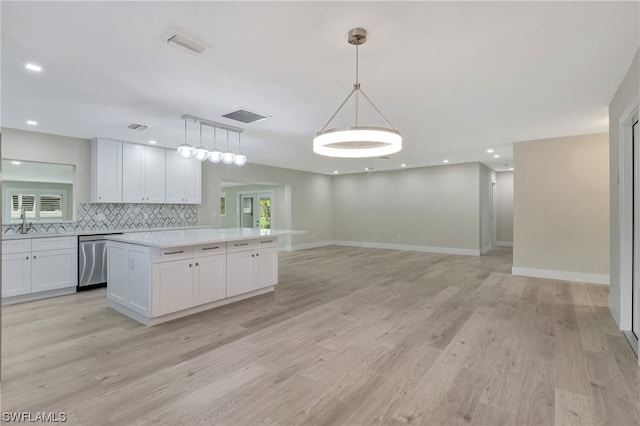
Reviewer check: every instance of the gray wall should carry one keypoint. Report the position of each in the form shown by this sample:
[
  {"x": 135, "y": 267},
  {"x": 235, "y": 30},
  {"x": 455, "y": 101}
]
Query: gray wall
[
  {"x": 504, "y": 211},
  {"x": 306, "y": 195},
  {"x": 626, "y": 97},
  {"x": 46, "y": 148},
  {"x": 436, "y": 207},
  {"x": 561, "y": 208}
]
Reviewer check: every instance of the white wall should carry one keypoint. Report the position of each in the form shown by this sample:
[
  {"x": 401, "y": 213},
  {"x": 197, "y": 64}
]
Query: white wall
[
  {"x": 504, "y": 211},
  {"x": 561, "y": 208},
  {"x": 624, "y": 102},
  {"x": 429, "y": 208},
  {"x": 307, "y": 196},
  {"x": 46, "y": 148}
]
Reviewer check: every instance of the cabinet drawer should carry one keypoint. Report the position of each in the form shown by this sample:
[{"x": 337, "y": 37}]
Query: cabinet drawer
[
  {"x": 54, "y": 243},
  {"x": 16, "y": 246},
  {"x": 169, "y": 254},
  {"x": 242, "y": 245},
  {"x": 267, "y": 242},
  {"x": 209, "y": 249}
]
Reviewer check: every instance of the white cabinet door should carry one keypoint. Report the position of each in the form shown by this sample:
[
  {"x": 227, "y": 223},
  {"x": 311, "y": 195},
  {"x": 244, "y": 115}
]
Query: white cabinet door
[
  {"x": 172, "y": 286},
  {"x": 54, "y": 269},
  {"x": 133, "y": 173},
  {"x": 118, "y": 273},
  {"x": 139, "y": 280},
  {"x": 193, "y": 184},
  {"x": 175, "y": 167},
  {"x": 106, "y": 171},
  {"x": 154, "y": 174},
  {"x": 241, "y": 273},
  {"x": 16, "y": 274},
  {"x": 210, "y": 282},
  {"x": 267, "y": 260}
]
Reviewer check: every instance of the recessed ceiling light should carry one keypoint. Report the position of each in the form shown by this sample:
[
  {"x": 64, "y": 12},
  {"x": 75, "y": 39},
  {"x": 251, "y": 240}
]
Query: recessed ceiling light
[
  {"x": 33, "y": 67},
  {"x": 335, "y": 172},
  {"x": 403, "y": 165},
  {"x": 490, "y": 150},
  {"x": 17, "y": 163},
  {"x": 152, "y": 142},
  {"x": 496, "y": 156},
  {"x": 510, "y": 169},
  {"x": 32, "y": 122},
  {"x": 445, "y": 161}
]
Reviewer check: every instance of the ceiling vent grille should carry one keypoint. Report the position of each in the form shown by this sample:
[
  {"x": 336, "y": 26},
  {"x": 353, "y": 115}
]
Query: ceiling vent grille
[
  {"x": 137, "y": 126},
  {"x": 245, "y": 116},
  {"x": 185, "y": 43}
]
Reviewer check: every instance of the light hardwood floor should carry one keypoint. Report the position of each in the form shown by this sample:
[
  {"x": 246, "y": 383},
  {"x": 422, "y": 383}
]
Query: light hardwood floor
[{"x": 351, "y": 337}]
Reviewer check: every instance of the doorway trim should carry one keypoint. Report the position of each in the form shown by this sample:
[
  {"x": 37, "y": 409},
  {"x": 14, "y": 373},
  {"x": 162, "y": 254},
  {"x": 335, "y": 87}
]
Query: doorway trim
[
  {"x": 239, "y": 194},
  {"x": 625, "y": 217}
]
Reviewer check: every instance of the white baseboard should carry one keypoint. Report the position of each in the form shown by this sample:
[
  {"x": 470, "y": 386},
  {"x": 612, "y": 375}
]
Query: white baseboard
[
  {"x": 561, "y": 275},
  {"x": 311, "y": 245},
  {"x": 504, "y": 243},
  {"x": 485, "y": 249},
  {"x": 425, "y": 249}
]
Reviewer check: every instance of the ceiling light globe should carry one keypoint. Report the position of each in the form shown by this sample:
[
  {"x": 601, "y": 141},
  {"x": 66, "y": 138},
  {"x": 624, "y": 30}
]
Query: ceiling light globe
[
  {"x": 185, "y": 150},
  {"x": 214, "y": 156},
  {"x": 200, "y": 153},
  {"x": 240, "y": 160},
  {"x": 228, "y": 157}
]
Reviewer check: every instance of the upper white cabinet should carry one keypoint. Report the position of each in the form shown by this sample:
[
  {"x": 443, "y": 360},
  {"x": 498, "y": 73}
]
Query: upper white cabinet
[
  {"x": 133, "y": 173},
  {"x": 106, "y": 171},
  {"x": 143, "y": 174},
  {"x": 183, "y": 179}
]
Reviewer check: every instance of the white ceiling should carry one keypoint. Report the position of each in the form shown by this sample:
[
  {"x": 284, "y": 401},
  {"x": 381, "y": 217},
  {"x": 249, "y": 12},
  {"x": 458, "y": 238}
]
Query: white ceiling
[{"x": 456, "y": 78}]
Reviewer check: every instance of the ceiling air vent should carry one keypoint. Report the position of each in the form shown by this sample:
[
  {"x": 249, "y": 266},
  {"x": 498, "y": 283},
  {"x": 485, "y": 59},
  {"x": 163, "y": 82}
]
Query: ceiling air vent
[
  {"x": 137, "y": 126},
  {"x": 183, "y": 42},
  {"x": 245, "y": 116}
]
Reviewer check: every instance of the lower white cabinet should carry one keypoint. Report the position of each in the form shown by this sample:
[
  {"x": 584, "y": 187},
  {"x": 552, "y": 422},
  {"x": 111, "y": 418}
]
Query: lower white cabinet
[
  {"x": 146, "y": 283},
  {"x": 251, "y": 270},
  {"x": 44, "y": 264},
  {"x": 16, "y": 274},
  {"x": 128, "y": 277}
]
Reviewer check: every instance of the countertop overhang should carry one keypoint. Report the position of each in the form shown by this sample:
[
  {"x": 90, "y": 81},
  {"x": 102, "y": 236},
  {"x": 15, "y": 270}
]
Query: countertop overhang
[{"x": 191, "y": 237}]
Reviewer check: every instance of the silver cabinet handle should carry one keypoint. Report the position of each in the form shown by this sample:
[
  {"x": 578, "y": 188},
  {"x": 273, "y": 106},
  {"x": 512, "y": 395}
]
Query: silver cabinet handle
[
  {"x": 240, "y": 244},
  {"x": 210, "y": 248},
  {"x": 266, "y": 241},
  {"x": 173, "y": 252}
]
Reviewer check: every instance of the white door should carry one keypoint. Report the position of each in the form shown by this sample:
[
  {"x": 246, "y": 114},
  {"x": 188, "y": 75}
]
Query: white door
[
  {"x": 635, "y": 288},
  {"x": 193, "y": 185},
  {"x": 139, "y": 281},
  {"x": 267, "y": 260},
  {"x": 255, "y": 210},
  {"x": 107, "y": 167},
  {"x": 16, "y": 274},
  {"x": 175, "y": 177},
  {"x": 54, "y": 269},
  {"x": 154, "y": 174},
  {"x": 118, "y": 273},
  {"x": 241, "y": 273},
  {"x": 133, "y": 173},
  {"x": 172, "y": 286},
  {"x": 211, "y": 279}
]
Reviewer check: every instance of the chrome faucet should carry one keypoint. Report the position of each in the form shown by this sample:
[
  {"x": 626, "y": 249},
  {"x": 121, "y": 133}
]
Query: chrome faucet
[{"x": 23, "y": 216}]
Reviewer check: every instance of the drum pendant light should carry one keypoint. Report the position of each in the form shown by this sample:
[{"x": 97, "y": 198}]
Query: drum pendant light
[{"x": 357, "y": 141}]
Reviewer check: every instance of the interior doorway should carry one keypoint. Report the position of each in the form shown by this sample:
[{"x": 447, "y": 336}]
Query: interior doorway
[{"x": 255, "y": 210}]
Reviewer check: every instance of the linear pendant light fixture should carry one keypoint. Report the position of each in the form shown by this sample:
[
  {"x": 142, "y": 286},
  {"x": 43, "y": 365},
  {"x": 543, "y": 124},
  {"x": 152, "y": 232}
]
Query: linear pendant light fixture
[
  {"x": 201, "y": 153},
  {"x": 357, "y": 141}
]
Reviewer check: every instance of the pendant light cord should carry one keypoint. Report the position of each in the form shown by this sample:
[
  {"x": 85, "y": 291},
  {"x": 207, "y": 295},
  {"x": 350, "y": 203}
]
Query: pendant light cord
[{"x": 356, "y": 86}]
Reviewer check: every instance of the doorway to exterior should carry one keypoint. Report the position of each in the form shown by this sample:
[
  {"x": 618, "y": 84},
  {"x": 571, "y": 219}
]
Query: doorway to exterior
[{"x": 255, "y": 210}]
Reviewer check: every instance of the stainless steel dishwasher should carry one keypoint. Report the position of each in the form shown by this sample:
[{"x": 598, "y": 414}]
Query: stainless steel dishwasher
[{"x": 92, "y": 261}]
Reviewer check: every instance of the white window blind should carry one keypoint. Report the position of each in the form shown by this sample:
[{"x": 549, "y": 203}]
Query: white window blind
[{"x": 51, "y": 206}]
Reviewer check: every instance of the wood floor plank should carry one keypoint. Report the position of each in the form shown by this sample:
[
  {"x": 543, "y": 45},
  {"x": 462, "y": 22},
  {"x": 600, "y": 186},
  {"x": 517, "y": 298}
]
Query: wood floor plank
[{"x": 351, "y": 336}]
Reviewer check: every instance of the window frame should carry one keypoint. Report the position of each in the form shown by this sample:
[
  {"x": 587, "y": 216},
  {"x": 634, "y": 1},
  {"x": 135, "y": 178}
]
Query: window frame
[{"x": 38, "y": 192}]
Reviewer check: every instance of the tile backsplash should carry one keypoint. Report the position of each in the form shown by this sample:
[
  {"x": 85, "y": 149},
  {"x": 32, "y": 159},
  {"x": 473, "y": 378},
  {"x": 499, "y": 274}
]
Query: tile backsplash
[{"x": 102, "y": 217}]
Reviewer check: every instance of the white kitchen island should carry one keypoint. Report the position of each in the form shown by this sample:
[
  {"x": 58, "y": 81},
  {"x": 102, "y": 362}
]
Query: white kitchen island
[{"x": 159, "y": 276}]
